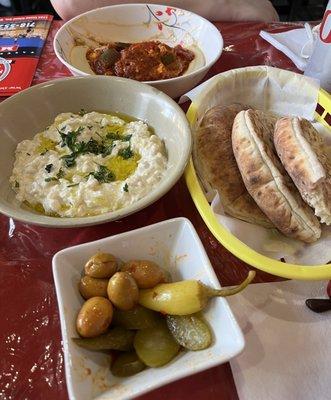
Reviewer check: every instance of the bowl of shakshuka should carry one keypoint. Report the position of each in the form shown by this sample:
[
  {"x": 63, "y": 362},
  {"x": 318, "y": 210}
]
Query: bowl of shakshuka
[{"x": 166, "y": 47}]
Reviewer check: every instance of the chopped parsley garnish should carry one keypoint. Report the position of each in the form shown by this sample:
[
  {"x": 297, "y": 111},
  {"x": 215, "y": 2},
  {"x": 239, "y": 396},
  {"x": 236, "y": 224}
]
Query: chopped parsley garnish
[
  {"x": 17, "y": 185},
  {"x": 52, "y": 178},
  {"x": 103, "y": 175},
  {"x": 69, "y": 160},
  {"x": 69, "y": 139},
  {"x": 92, "y": 146},
  {"x": 44, "y": 152},
  {"x": 89, "y": 127},
  {"x": 126, "y": 153},
  {"x": 107, "y": 150},
  {"x": 73, "y": 184},
  {"x": 103, "y": 147},
  {"x": 113, "y": 136},
  {"x": 28, "y": 154},
  {"x": 49, "y": 167},
  {"x": 60, "y": 174},
  {"x": 126, "y": 188},
  {"x": 126, "y": 138},
  {"x": 109, "y": 142},
  {"x": 82, "y": 112}
]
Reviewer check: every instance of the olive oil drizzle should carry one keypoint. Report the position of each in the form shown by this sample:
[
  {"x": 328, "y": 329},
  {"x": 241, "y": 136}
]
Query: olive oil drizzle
[{"x": 116, "y": 168}]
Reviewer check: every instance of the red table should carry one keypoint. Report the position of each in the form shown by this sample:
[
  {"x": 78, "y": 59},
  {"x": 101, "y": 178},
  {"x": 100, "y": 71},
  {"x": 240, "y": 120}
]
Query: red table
[{"x": 31, "y": 358}]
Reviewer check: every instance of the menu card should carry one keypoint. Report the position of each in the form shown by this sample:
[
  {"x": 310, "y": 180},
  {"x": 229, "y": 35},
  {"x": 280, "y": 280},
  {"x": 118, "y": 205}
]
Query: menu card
[{"x": 21, "y": 41}]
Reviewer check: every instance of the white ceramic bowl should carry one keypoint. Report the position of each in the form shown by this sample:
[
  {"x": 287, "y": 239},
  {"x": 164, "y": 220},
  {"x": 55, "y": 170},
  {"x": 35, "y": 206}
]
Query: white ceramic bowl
[
  {"x": 31, "y": 111},
  {"x": 174, "y": 245},
  {"x": 133, "y": 23}
]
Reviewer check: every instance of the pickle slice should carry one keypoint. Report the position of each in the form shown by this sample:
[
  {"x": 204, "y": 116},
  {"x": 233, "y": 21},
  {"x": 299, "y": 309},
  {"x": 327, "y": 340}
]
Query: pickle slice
[
  {"x": 116, "y": 339},
  {"x": 137, "y": 318},
  {"x": 127, "y": 364},
  {"x": 190, "y": 331},
  {"x": 156, "y": 346}
]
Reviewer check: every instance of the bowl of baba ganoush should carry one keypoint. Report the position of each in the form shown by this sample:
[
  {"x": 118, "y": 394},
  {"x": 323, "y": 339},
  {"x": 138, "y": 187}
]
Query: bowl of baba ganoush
[
  {"x": 87, "y": 150},
  {"x": 167, "y": 47}
]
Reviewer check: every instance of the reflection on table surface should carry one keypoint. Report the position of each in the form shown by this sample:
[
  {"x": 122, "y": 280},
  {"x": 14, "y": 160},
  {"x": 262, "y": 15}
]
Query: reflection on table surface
[{"x": 30, "y": 338}]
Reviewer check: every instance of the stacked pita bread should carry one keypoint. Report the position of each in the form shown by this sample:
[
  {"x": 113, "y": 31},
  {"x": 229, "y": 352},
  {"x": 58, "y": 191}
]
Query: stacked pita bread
[
  {"x": 217, "y": 168},
  {"x": 303, "y": 154},
  {"x": 257, "y": 185},
  {"x": 266, "y": 179}
]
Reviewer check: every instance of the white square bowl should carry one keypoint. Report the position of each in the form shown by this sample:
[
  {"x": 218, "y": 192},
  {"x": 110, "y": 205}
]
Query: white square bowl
[{"x": 173, "y": 244}]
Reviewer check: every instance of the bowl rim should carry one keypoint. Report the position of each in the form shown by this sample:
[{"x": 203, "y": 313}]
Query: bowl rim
[
  {"x": 192, "y": 74},
  {"x": 165, "y": 185}
]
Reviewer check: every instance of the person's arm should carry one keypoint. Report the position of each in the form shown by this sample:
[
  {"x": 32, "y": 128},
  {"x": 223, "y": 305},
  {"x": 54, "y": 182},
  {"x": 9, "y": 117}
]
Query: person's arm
[{"x": 214, "y": 10}]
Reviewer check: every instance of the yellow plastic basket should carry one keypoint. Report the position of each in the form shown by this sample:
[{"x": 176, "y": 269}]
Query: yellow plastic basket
[{"x": 234, "y": 245}]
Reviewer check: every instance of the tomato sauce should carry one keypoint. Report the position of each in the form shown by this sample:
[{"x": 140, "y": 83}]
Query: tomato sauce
[{"x": 145, "y": 61}]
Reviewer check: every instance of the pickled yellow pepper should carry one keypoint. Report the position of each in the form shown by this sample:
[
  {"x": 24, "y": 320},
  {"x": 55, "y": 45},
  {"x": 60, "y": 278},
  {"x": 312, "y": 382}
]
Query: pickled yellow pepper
[{"x": 185, "y": 297}]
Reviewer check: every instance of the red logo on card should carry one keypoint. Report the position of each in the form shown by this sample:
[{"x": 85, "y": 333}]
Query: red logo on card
[
  {"x": 4, "y": 68},
  {"x": 9, "y": 48},
  {"x": 325, "y": 30}
]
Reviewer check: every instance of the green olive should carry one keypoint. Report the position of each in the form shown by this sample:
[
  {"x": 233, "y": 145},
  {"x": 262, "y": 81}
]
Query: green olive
[
  {"x": 137, "y": 318},
  {"x": 146, "y": 273},
  {"x": 123, "y": 291},
  {"x": 94, "y": 317},
  {"x": 101, "y": 265},
  {"x": 127, "y": 364},
  {"x": 156, "y": 346},
  {"x": 91, "y": 287}
]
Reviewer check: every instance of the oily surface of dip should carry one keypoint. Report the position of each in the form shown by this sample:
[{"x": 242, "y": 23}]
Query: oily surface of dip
[{"x": 87, "y": 164}]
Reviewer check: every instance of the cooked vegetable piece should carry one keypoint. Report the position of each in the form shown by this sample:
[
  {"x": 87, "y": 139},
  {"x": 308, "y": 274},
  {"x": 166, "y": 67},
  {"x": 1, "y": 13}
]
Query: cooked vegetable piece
[
  {"x": 156, "y": 346},
  {"x": 109, "y": 56},
  {"x": 116, "y": 339},
  {"x": 167, "y": 58},
  {"x": 127, "y": 364},
  {"x": 120, "y": 45},
  {"x": 123, "y": 291},
  {"x": 101, "y": 265},
  {"x": 92, "y": 287},
  {"x": 146, "y": 273},
  {"x": 94, "y": 317},
  {"x": 185, "y": 297},
  {"x": 190, "y": 331},
  {"x": 137, "y": 318}
]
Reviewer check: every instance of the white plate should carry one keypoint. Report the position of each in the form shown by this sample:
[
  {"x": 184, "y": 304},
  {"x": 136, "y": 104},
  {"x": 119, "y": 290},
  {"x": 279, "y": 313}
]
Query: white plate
[{"x": 173, "y": 244}]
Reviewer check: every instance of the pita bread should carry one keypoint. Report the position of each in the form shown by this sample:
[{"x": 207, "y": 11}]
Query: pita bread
[
  {"x": 303, "y": 153},
  {"x": 217, "y": 168},
  {"x": 266, "y": 179}
]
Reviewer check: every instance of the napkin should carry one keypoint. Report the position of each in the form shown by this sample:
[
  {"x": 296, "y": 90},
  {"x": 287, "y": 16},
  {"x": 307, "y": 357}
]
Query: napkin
[
  {"x": 296, "y": 44},
  {"x": 288, "y": 347}
]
